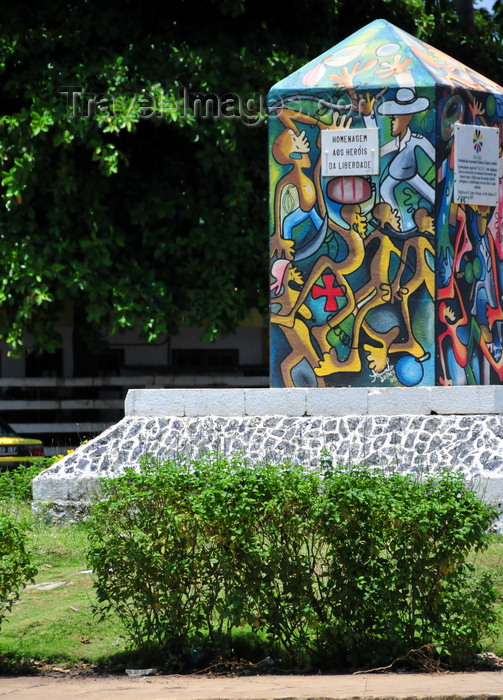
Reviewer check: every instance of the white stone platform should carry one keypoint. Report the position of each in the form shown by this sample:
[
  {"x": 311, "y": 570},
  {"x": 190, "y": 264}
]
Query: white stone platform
[
  {"x": 384, "y": 401},
  {"x": 398, "y": 429}
]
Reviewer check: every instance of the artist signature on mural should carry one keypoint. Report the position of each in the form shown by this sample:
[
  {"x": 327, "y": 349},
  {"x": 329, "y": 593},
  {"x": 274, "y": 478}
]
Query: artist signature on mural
[{"x": 387, "y": 373}]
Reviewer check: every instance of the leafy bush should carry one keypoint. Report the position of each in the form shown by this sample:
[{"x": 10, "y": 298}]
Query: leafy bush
[
  {"x": 336, "y": 567},
  {"x": 16, "y": 567},
  {"x": 16, "y": 483},
  {"x": 397, "y": 576}
]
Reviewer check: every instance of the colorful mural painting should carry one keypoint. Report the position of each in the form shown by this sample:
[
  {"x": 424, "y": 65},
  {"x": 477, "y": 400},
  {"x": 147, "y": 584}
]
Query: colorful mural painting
[{"x": 386, "y": 256}]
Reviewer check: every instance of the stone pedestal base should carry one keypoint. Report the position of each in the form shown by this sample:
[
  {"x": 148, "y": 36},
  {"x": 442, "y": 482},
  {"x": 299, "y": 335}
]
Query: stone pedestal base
[{"x": 401, "y": 430}]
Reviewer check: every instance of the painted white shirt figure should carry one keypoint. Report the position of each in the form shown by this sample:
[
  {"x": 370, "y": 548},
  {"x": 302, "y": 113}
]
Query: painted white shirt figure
[{"x": 403, "y": 165}]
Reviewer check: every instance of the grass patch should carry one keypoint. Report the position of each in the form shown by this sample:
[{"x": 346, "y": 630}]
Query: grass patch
[
  {"x": 491, "y": 560},
  {"x": 56, "y": 624}
]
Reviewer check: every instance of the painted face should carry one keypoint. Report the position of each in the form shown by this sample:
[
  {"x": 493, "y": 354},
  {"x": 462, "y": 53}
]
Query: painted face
[
  {"x": 483, "y": 218},
  {"x": 300, "y": 142},
  {"x": 294, "y": 275},
  {"x": 424, "y": 221},
  {"x": 394, "y": 221},
  {"x": 446, "y": 313},
  {"x": 399, "y": 123},
  {"x": 384, "y": 214},
  {"x": 359, "y": 222}
]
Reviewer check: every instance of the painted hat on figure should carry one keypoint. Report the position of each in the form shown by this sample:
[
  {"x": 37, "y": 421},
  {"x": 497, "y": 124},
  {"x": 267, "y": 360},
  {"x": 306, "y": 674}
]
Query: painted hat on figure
[{"x": 406, "y": 102}]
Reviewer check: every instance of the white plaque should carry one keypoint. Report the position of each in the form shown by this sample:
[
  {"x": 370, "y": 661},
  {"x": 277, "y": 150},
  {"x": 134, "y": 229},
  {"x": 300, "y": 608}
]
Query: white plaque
[
  {"x": 476, "y": 151},
  {"x": 349, "y": 152}
]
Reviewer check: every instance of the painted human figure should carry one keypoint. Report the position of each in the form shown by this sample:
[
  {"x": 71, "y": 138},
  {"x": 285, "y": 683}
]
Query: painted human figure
[
  {"x": 486, "y": 293},
  {"x": 353, "y": 236},
  {"x": 291, "y": 317},
  {"x": 375, "y": 293},
  {"x": 290, "y": 118},
  {"x": 419, "y": 248},
  {"x": 385, "y": 242},
  {"x": 495, "y": 233},
  {"x": 403, "y": 167},
  {"x": 295, "y": 195}
]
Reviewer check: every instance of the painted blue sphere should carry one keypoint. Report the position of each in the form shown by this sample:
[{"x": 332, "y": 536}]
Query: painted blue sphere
[{"x": 409, "y": 371}]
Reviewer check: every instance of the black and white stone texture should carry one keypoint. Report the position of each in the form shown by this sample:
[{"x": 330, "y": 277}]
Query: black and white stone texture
[{"x": 471, "y": 443}]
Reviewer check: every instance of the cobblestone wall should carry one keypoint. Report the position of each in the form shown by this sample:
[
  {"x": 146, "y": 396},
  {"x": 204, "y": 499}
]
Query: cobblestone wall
[{"x": 471, "y": 443}]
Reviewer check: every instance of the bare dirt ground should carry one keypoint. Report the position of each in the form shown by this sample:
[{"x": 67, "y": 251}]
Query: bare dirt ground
[{"x": 487, "y": 685}]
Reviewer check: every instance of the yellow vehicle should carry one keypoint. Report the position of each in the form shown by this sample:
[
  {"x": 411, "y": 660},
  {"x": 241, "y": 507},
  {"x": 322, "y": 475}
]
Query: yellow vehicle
[{"x": 15, "y": 450}]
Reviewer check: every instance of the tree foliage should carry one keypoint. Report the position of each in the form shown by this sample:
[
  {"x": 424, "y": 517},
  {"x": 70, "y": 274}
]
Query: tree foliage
[{"x": 147, "y": 215}]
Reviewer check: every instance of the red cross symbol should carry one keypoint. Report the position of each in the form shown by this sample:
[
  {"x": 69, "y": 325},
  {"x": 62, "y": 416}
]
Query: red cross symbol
[{"x": 329, "y": 291}]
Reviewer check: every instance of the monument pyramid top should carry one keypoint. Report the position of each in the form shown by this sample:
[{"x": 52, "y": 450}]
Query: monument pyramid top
[{"x": 381, "y": 54}]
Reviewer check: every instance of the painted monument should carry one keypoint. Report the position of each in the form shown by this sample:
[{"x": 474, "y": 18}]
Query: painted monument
[
  {"x": 385, "y": 271},
  {"x": 386, "y": 204}
]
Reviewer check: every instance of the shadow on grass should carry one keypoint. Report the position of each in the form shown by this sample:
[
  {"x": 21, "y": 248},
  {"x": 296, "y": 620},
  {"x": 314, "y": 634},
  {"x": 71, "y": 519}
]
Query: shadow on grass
[
  {"x": 246, "y": 652},
  {"x": 14, "y": 665}
]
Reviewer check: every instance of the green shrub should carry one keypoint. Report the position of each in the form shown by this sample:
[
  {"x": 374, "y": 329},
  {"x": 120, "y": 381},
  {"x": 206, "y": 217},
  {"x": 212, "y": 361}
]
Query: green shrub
[
  {"x": 16, "y": 567},
  {"x": 16, "y": 483},
  {"x": 336, "y": 567},
  {"x": 396, "y": 570}
]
